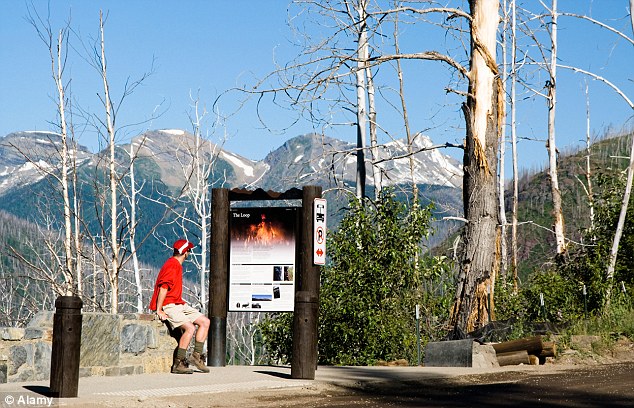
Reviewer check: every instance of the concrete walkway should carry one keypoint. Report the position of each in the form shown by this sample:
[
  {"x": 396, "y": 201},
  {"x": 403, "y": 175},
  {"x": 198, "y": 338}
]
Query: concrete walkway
[{"x": 221, "y": 379}]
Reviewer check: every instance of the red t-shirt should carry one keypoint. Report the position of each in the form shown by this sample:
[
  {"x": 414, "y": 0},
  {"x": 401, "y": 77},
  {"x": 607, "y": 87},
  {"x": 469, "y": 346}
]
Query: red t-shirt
[{"x": 171, "y": 275}]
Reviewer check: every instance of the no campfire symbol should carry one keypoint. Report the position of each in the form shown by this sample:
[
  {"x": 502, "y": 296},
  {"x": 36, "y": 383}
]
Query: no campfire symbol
[{"x": 319, "y": 231}]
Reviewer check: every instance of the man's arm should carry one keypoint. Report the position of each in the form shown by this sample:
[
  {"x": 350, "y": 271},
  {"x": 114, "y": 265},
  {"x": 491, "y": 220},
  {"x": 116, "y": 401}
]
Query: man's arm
[{"x": 159, "y": 302}]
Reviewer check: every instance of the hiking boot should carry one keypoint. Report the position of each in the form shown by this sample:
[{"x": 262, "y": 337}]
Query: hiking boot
[
  {"x": 198, "y": 360},
  {"x": 181, "y": 367}
]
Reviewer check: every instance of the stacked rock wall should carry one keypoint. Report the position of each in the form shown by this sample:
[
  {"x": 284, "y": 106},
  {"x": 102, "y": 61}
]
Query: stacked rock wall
[{"x": 110, "y": 345}]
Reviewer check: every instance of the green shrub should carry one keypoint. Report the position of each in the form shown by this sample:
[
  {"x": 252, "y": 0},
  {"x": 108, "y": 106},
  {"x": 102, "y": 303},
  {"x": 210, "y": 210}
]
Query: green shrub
[
  {"x": 563, "y": 299},
  {"x": 375, "y": 276}
]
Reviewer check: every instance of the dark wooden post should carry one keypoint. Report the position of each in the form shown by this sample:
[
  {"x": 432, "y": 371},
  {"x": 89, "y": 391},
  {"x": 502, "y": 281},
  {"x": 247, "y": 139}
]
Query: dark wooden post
[
  {"x": 305, "y": 318},
  {"x": 218, "y": 264},
  {"x": 64, "y": 381}
]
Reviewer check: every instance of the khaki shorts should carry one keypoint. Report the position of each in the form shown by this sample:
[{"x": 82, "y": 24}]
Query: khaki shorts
[{"x": 177, "y": 315}]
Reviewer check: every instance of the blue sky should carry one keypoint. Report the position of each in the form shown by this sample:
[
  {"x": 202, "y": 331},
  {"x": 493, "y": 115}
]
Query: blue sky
[{"x": 206, "y": 47}]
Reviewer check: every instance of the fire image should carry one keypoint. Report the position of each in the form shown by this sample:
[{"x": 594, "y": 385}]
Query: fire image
[{"x": 264, "y": 232}]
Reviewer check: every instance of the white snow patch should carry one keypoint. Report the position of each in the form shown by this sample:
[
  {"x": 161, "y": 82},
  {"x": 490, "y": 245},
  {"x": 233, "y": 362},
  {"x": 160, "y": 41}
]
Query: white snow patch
[
  {"x": 7, "y": 171},
  {"x": 298, "y": 158},
  {"x": 27, "y": 166},
  {"x": 248, "y": 169},
  {"x": 42, "y": 132},
  {"x": 175, "y": 132},
  {"x": 32, "y": 166},
  {"x": 44, "y": 141},
  {"x": 266, "y": 169}
]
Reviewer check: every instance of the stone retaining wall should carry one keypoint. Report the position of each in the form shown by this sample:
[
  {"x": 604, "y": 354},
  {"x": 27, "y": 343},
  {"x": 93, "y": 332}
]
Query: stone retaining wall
[{"x": 110, "y": 345}]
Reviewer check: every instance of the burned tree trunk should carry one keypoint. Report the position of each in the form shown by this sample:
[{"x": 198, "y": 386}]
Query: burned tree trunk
[{"x": 483, "y": 112}]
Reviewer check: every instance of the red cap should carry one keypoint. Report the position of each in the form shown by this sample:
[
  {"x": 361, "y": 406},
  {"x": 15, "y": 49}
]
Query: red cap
[{"x": 182, "y": 246}]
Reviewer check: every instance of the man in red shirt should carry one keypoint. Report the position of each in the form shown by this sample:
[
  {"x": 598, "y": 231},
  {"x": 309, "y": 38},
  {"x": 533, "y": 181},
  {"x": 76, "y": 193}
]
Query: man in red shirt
[{"x": 169, "y": 305}]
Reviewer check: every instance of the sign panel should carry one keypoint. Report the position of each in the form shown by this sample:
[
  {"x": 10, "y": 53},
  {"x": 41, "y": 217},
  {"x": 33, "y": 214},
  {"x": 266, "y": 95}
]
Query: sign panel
[
  {"x": 262, "y": 259},
  {"x": 319, "y": 233}
]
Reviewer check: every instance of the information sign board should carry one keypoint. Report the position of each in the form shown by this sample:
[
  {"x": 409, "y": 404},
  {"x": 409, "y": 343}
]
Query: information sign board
[{"x": 262, "y": 259}]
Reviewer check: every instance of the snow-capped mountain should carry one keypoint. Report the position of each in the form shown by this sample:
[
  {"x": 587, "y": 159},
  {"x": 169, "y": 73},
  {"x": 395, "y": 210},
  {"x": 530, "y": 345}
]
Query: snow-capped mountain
[
  {"x": 164, "y": 155},
  {"x": 27, "y": 157},
  {"x": 318, "y": 159}
]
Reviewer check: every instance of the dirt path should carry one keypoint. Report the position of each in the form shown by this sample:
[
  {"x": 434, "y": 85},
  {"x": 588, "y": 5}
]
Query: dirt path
[{"x": 586, "y": 386}]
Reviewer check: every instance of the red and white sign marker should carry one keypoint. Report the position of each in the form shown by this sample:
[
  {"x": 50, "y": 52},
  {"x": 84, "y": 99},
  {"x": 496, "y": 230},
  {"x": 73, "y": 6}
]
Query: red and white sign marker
[{"x": 319, "y": 231}]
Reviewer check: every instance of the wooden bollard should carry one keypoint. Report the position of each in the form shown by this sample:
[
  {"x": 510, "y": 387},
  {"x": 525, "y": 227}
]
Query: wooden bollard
[
  {"x": 304, "y": 361},
  {"x": 66, "y": 345}
]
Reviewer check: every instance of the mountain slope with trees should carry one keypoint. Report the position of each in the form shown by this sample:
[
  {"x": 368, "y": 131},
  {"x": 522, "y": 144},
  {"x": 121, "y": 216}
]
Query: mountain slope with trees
[{"x": 608, "y": 161}]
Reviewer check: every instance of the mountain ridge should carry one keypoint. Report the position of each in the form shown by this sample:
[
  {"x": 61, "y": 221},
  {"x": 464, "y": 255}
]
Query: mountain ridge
[{"x": 303, "y": 159}]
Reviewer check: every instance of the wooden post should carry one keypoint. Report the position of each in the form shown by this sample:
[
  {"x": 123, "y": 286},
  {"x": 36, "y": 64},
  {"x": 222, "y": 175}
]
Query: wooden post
[
  {"x": 67, "y": 319},
  {"x": 305, "y": 318},
  {"x": 218, "y": 279}
]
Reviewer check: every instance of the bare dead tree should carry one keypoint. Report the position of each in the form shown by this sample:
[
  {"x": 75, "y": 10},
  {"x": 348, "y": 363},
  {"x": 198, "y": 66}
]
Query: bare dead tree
[
  {"x": 197, "y": 161},
  {"x": 553, "y": 153},
  {"x": 502, "y": 147},
  {"x": 514, "y": 143},
  {"x": 588, "y": 171},
  {"x": 618, "y": 91},
  {"x": 242, "y": 329},
  {"x": 360, "y": 21},
  {"x": 58, "y": 53},
  {"x": 114, "y": 239},
  {"x": 401, "y": 84},
  {"x": 372, "y": 119},
  {"x": 335, "y": 71},
  {"x": 626, "y": 200},
  {"x": 131, "y": 219}
]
